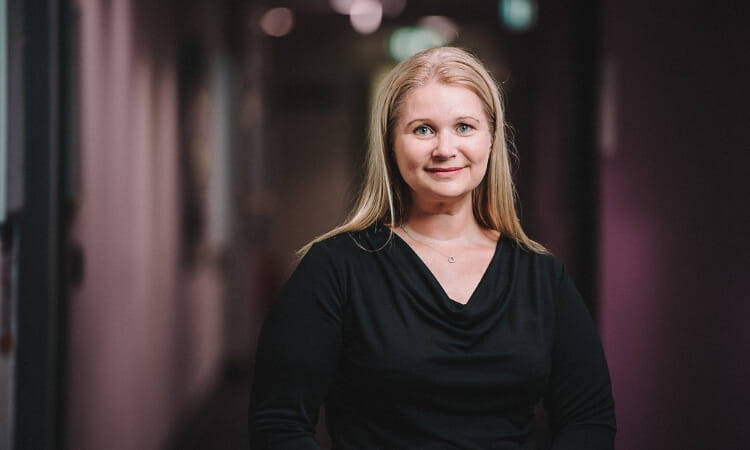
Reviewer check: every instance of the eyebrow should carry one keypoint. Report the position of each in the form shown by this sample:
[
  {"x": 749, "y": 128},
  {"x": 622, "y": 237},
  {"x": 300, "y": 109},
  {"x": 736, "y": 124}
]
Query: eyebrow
[
  {"x": 409, "y": 124},
  {"x": 458, "y": 119}
]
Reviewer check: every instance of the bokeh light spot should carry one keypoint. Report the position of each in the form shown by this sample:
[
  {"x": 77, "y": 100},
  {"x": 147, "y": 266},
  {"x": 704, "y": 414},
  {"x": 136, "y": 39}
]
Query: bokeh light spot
[
  {"x": 407, "y": 41},
  {"x": 442, "y": 25},
  {"x": 366, "y": 15},
  {"x": 277, "y": 22},
  {"x": 518, "y": 15},
  {"x": 341, "y": 6}
]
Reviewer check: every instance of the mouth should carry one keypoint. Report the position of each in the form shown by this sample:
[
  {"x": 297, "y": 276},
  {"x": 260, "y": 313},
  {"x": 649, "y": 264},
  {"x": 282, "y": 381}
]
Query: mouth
[
  {"x": 443, "y": 170},
  {"x": 445, "y": 173}
]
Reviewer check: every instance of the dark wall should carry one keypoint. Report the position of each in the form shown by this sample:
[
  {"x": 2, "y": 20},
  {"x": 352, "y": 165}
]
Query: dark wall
[
  {"x": 559, "y": 161},
  {"x": 674, "y": 223}
]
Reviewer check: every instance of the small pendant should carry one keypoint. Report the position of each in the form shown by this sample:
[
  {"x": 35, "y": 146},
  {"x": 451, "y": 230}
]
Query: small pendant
[{"x": 451, "y": 259}]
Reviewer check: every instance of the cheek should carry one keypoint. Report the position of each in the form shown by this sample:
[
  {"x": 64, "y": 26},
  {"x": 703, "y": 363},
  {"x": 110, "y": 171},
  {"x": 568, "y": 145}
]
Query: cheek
[
  {"x": 400, "y": 163},
  {"x": 482, "y": 150},
  {"x": 484, "y": 156},
  {"x": 405, "y": 157}
]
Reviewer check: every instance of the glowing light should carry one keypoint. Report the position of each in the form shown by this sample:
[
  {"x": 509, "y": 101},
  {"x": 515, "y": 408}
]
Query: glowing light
[
  {"x": 441, "y": 25},
  {"x": 518, "y": 15},
  {"x": 407, "y": 41},
  {"x": 341, "y": 6},
  {"x": 366, "y": 15},
  {"x": 277, "y": 22}
]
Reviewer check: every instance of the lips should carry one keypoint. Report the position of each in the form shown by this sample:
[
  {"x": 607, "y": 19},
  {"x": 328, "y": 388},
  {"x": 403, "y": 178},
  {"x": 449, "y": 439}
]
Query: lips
[
  {"x": 444, "y": 169},
  {"x": 445, "y": 173}
]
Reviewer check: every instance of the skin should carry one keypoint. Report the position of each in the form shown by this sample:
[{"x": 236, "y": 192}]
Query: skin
[{"x": 442, "y": 145}]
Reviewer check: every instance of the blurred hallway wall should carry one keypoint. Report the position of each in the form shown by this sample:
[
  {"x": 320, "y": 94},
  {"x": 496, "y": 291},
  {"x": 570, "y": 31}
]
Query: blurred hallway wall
[
  {"x": 146, "y": 338},
  {"x": 674, "y": 222}
]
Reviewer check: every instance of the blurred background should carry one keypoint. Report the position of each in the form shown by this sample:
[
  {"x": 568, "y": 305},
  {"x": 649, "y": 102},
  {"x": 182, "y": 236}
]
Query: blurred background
[{"x": 161, "y": 161}]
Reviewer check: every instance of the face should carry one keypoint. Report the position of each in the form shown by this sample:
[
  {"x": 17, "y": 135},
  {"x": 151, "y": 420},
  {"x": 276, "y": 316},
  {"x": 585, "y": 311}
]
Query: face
[{"x": 442, "y": 142}]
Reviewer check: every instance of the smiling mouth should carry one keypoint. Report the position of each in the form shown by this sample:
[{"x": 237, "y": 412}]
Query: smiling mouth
[{"x": 444, "y": 169}]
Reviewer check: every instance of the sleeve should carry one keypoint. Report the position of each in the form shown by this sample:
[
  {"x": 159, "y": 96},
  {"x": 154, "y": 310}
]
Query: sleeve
[
  {"x": 579, "y": 398},
  {"x": 297, "y": 355}
]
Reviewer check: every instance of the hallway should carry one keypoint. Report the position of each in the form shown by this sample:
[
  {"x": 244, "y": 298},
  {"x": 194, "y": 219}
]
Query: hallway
[{"x": 160, "y": 162}]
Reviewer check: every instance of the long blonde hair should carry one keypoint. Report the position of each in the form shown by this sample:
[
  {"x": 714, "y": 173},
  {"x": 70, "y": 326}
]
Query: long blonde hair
[{"x": 385, "y": 195}]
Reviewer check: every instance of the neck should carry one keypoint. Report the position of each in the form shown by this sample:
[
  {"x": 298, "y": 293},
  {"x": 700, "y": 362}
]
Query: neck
[{"x": 439, "y": 222}]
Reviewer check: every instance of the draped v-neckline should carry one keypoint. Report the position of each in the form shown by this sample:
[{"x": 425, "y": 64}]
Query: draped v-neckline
[{"x": 433, "y": 279}]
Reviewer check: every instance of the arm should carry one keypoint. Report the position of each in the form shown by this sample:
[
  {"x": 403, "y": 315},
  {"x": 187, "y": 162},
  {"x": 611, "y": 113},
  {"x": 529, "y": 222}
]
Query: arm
[
  {"x": 579, "y": 397},
  {"x": 297, "y": 355}
]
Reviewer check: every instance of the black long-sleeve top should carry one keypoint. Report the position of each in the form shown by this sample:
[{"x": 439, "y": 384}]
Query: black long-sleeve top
[{"x": 363, "y": 326}]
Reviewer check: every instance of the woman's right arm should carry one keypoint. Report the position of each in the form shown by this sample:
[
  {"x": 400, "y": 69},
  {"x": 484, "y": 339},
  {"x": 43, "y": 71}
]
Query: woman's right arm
[{"x": 297, "y": 354}]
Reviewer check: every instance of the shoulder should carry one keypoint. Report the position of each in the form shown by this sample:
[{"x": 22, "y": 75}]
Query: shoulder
[
  {"x": 546, "y": 261},
  {"x": 541, "y": 268},
  {"x": 338, "y": 259},
  {"x": 354, "y": 244}
]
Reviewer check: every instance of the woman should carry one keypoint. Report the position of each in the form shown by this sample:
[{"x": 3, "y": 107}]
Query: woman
[{"x": 429, "y": 320}]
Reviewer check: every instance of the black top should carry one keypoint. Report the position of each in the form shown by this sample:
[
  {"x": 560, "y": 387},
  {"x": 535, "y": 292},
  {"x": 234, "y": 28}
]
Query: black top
[{"x": 363, "y": 326}]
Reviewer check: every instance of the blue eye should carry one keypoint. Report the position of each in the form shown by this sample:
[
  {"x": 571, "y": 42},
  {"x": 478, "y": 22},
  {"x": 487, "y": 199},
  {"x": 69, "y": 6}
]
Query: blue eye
[
  {"x": 464, "y": 128},
  {"x": 423, "y": 130}
]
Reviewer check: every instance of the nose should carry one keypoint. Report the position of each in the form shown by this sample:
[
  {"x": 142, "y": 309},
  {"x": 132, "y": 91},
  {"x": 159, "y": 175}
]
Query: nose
[{"x": 445, "y": 146}]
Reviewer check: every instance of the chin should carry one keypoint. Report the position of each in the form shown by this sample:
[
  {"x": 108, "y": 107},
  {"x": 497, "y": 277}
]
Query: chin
[{"x": 445, "y": 195}]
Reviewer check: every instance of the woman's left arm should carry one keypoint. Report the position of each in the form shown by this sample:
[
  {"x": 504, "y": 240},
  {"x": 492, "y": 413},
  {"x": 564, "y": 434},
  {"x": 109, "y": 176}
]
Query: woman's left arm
[{"x": 579, "y": 398}]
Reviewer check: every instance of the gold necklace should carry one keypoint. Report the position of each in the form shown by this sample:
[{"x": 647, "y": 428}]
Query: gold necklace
[{"x": 451, "y": 259}]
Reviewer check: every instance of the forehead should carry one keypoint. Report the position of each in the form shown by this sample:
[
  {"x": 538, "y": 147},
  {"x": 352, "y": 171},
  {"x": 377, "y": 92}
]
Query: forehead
[{"x": 436, "y": 98}]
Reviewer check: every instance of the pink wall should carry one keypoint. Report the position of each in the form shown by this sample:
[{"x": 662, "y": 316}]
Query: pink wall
[
  {"x": 145, "y": 335},
  {"x": 674, "y": 224}
]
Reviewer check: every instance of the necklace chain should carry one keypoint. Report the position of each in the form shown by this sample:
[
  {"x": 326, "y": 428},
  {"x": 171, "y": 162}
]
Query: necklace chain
[{"x": 450, "y": 258}]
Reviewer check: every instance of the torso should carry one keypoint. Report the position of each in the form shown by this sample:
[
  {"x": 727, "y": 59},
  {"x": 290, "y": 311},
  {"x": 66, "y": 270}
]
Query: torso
[{"x": 421, "y": 370}]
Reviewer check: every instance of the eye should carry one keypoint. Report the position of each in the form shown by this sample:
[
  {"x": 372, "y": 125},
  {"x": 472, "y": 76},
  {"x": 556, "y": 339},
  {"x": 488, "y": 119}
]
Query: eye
[
  {"x": 423, "y": 130},
  {"x": 464, "y": 128}
]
